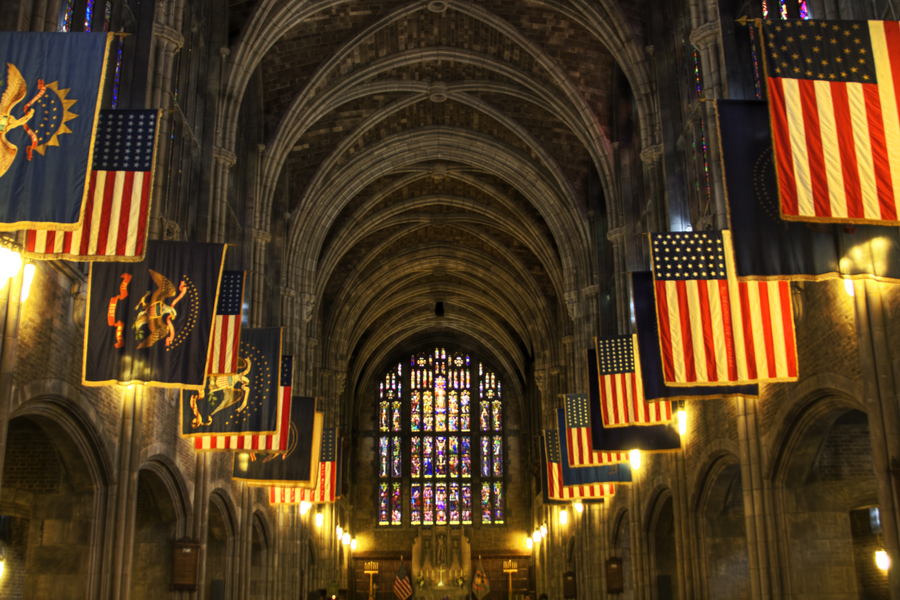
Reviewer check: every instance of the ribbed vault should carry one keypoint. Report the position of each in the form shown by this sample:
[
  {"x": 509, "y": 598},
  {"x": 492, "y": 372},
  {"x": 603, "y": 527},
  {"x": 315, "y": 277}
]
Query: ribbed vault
[{"x": 435, "y": 152}]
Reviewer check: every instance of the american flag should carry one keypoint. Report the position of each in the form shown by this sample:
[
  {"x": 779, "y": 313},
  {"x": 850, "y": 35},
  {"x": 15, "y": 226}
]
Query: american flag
[
  {"x": 276, "y": 442},
  {"x": 621, "y": 389},
  {"x": 402, "y": 585},
  {"x": 328, "y": 488},
  {"x": 712, "y": 328},
  {"x": 833, "y": 100},
  {"x": 226, "y": 333},
  {"x": 578, "y": 436},
  {"x": 118, "y": 201},
  {"x": 556, "y": 488}
]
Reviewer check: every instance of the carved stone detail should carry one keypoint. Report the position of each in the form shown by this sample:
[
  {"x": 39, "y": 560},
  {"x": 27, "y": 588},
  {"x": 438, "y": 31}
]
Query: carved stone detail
[{"x": 307, "y": 306}]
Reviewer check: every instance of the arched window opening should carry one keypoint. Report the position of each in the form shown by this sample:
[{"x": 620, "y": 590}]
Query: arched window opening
[{"x": 429, "y": 432}]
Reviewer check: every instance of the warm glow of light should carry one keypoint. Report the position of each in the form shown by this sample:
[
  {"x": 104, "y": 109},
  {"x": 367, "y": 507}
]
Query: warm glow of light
[
  {"x": 536, "y": 536},
  {"x": 882, "y": 560},
  {"x": 848, "y": 287},
  {"x": 340, "y": 531},
  {"x": 304, "y": 507},
  {"x": 27, "y": 278},
  {"x": 543, "y": 530},
  {"x": 529, "y": 543},
  {"x": 320, "y": 518},
  {"x": 563, "y": 517},
  {"x": 10, "y": 263},
  {"x": 682, "y": 421},
  {"x": 579, "y": 507},
  {"x": 353, "y": 544},
  {"x": 2, "y": 565},
  {"x": 345, "y": 539},
  {"x": 635, "y": 457}
]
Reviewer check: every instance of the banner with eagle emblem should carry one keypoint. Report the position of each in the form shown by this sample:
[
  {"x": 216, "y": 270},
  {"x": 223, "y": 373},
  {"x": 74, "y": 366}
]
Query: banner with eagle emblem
[
  {"x": 150, "y": 322},
  {"x": 51, "y": 87},
  {"x": 248, "y": 404},
  {"x": 299, "y": 466}
]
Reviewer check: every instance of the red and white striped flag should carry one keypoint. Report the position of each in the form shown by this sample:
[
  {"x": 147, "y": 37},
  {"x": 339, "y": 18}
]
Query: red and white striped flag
[
  {"x": 714, "y": 329},
  {"x": 555, "y": 488},
  {"x": 118, "y": 201},
  {"x": 275, "y": 442},
  {"x": 578, "y": 436},
  {"x": 834, "y": 103},
  {"x": 621, "y": 390},
  {"x": 226, "y": 334},
  {"x": 328, "y": 487}
]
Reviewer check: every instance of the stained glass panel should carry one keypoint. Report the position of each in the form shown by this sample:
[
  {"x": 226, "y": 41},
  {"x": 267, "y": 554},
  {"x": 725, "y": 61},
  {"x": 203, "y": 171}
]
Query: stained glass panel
[
  {"x": 384, "y": 504},
  {"x": 415, "y": 457},
  {"x": 440, "y": 450},
  {"x": 497, "y": 415},
  {"x": 415, "y": 501},
  {"x": 498, "y": 502},
  {"x": 440, "y": 404},
  {"x": 453, "y": 503},
  {"x": 415, "y": 411},
  {"x": 383, "y": 457},
  {"x": 428, "y": 456},
  {"x": 383, "y": 411},
  {"x": 467, "y": 503},
  {"x": 497, "y": 452},
  {"x": 88, "y": 14},
  {"x": 464, "y": 410},
  {"x": 486, "y": 456},
  {"x": 396, "y": 416},
  {"x": 396, "y": 457},
  {"x": 453, "y": 456},
  {"x": 65, "y": 22},
  {"x": 428, "y": 409},
  {"x": 465, "y": 458},
  {"x": 485, "y": 416},
  {"x": 115, "y": 94},
  {"x": 396, "y": 505},
  {"x": 486, "y": 509},
  {"x": 427, "y": 504},
  {"x": 453, "y": 411},
  {"x": 804, "y": 10},
  {"x": 440, "y": 503}
]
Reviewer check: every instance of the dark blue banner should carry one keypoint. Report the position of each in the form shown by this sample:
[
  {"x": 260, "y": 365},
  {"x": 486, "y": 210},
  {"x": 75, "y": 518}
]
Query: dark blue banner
[
  {"x": 649, "y": 351},
  {"x": 245, "y": 403},
  {"x": 150, "y": 322},
  {"x": 766, "y": 247},
  {"x": 51, "y": 85},
  {"x": 298, "y": 467}
]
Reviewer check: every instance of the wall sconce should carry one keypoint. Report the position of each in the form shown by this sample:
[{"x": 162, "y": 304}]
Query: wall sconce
[
  {"x": 529, "y": 543},
  {"x": 848, "y": 287},
  {"x": 543, "y": 530},
  {"x": 635, "y": 458},
  {"x": 304, "y": 507},
  {"x": 563, "y": 517},
  {"x": 579, "y": 507},
  {"x": 320, "y": 518},
  {"x": 353, "y": 544},
  {"x": 345, "y": 539},
  {"x": 340, "y": 532},
  {"x": 27, "y": 278},
  {"x": 536, "y": 536},
  {"x": 682, "y": 421},
  {"x": 882, "y": 560}
]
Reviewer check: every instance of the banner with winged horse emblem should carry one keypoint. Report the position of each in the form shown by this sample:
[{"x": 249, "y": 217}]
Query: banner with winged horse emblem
[
  {"x": 299, "y": 466},
  {"x": 243, "y": 404},
  {"x": 151, "y": 322},
  {"x": 51, "y": 87}
]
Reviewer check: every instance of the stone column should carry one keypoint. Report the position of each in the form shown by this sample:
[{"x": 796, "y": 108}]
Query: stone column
[
  {"x": 258, "y": 260},
  {"x": 623, "y": 314},
  {"x": 223, "y": 159},
  {"x": 652, "y": 158},
  {"x": 683, "y": 530},
  {"x": 200, "y": 528}
]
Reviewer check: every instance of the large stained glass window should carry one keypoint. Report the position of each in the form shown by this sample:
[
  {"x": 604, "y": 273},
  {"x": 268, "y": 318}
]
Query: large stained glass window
[{"x": 450, "y": 447}]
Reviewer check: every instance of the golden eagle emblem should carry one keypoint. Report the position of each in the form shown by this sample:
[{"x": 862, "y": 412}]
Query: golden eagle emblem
[
  {"x": 154, "y": 320},
  {"x": 16, "y": 88},
  {"x": 231, "y": 394}
]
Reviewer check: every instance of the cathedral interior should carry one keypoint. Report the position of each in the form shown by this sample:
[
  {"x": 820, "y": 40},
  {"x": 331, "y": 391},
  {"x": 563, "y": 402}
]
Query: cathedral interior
[{"x": 462, "y": 187}]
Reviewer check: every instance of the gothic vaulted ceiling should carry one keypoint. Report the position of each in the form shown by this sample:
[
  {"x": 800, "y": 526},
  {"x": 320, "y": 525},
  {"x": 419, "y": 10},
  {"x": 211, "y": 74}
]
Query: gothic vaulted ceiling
[{"x": 435, "y": 151}]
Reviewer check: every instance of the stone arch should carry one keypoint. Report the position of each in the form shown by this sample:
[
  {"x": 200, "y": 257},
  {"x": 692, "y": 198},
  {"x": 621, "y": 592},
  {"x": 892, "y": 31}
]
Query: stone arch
[
  {"x": 60, "y": 502},
  {"x": 718, "y": 514},
  {"x": 220, "y": 576},
  {"x": 660, "y": 532},
  {"x": 620, "y": 542},
  {"x": 261, "y": 544}
]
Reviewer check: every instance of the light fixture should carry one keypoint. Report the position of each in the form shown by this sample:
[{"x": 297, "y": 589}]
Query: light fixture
[
  {"x": 635, "y": 457},
  {"x": 529, "y": 543},
  {"x": 682, "y": 421},
  {"x": 563, "y": 517},
  {"x": 27, "y": 278},
  {"x": 543, "y": 530},
  {"x": 353, "y": 544},
  {"x": 10, "y": 263},
  {"x": 882, "y": 560},
  {"x": 848, "y": 287},
  {"x": 536, "y": 536},
  {"x": 579, "y": 507},
  {"x": 345, "y": 539},
  {"x": 304, "y": 507},
  {"x": 2, "y": 563},
  {"x": 320, "y": 518},
  {"x": 340, "y": 531}
]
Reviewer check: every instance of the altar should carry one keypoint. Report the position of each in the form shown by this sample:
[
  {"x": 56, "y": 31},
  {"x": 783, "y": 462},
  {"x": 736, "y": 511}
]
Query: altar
[
  {"x": 441, "y": 555},
  {"x": 447, "y": 592}
]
